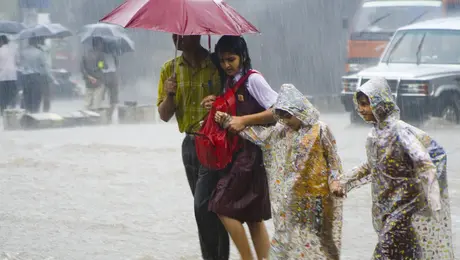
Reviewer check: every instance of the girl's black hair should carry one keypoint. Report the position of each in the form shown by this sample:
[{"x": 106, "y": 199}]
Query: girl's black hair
[
  {"x": 282, "y": 113},
  {"x": 222, "y": 74},
  {"x": 360, "y": 94},
  {"x": 236, "y": 45}
]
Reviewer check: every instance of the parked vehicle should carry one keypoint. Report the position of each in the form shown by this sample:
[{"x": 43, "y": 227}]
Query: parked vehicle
[
  {"x": 422, "y": 66},
  {"x": 377, "y": 20},
  {"x": 63, "y": 55},
  {"x": 65, "y": 88}
]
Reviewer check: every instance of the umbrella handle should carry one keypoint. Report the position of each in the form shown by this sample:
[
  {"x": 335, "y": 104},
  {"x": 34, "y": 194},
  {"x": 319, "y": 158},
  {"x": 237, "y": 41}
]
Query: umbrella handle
[
  {"x": 209, "y": 46},
  {"x": 174, "y": 64}
]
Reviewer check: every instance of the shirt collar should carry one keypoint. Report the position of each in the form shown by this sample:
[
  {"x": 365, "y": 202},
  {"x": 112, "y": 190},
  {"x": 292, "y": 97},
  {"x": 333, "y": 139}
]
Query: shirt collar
[
  {"x": 238, "y": 76},
  {"x": 207, "y": 62}
]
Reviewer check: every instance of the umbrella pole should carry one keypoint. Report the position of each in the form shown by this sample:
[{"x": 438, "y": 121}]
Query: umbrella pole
[
  {"x": 175, "y": 56},
  {"x": 174, "y": 68},
  {"x": 209, "y": 46}
]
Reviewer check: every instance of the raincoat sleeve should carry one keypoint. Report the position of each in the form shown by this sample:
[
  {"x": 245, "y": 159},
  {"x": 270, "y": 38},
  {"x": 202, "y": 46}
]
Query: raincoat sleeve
[
  {"x": 424, "y": 168},
  {"x": 258, "y": 135},
  {"x": 359, "y": 176},
  {"x": 334, "y": 163}
]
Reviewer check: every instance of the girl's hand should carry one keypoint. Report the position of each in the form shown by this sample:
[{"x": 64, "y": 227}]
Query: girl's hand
[
  {"x": 337, "y": 189},
  {"x": 208, "y": 101},
  {"x": 222, "y": 119},
  {"x": 237, "y": 124},
  {"x": 219, "y": 117}
]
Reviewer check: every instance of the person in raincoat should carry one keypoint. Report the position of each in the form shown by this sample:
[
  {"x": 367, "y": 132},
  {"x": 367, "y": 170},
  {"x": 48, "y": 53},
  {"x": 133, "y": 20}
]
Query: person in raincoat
[
  {"x": 304, "y": 172},
  {"x": 407, "y": 169}
]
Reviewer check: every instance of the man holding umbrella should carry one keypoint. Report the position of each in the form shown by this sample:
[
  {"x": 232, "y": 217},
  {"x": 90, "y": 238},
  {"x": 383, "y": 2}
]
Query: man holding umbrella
[
  {"x": 110, "y": 41},
  {"x": 184, "y": 84},
  {"x": 92, "y": 65},
  {"x": 35, "y": 65},
  {"x": 37, "y": 76}
]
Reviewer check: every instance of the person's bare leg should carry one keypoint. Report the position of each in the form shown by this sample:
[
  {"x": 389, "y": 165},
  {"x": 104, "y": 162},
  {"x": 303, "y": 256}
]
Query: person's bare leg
[
  {"x": 238, "y": 235},
  {"x": 260, "y": 239}
]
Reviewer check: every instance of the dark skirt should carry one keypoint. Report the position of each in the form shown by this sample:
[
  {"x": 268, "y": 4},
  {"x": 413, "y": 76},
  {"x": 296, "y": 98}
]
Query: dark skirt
[{"x": 243, "y": 194}]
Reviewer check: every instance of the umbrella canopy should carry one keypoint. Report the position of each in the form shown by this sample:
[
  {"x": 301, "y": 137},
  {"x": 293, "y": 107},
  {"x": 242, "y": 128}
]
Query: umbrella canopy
[
  {"x": 53, "y": 30},
  {"x": 113, "y": 44},
  {"x": 11, "y": 27},
  {"x": 183, "y": 17},
  {"x": 113, "y": 35},
  {"x": 102, "y": 29}
]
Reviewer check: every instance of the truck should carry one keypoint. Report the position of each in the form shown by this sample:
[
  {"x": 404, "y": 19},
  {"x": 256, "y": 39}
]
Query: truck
[
  {"x": 422, "y": 66},
  {"x": 376, "y": 21}
]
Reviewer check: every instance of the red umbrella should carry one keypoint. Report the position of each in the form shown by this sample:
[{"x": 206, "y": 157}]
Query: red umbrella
[{"x": 182, "y": 17}]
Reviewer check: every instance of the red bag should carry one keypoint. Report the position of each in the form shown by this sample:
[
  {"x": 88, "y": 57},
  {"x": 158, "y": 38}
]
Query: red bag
[{"x": 215, "y": 146}]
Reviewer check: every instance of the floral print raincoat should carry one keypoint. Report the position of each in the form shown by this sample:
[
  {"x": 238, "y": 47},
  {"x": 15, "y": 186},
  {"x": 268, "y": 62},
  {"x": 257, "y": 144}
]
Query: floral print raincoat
[
  {"x": 300, "y": 166},
  {"x": 407, "y": 169}
]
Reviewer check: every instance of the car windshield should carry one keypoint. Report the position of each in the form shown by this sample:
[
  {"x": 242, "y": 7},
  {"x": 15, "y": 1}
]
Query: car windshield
[
  {"x": 424, "y": 47},
  {"x": 378, "y": 17}
]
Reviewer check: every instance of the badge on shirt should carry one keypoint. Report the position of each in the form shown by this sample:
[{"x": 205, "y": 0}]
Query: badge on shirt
[
  {"x": 240, "y": 98},
  {"x": 101, "y": 65}
]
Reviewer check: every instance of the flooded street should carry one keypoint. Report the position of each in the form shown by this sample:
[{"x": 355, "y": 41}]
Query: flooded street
[{"x": 120, "y": 192}]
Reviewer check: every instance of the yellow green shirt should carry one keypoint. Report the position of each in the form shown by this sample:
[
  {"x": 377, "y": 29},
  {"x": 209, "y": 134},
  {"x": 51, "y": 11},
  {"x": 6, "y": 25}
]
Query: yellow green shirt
[{"x": 193, "y": 84}]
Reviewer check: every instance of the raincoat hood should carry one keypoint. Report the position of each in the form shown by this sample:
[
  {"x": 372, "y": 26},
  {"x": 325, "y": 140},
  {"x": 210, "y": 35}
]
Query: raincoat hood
[
  {"x": 381, "y": 100},
  {"x": 291, "y": 100}
]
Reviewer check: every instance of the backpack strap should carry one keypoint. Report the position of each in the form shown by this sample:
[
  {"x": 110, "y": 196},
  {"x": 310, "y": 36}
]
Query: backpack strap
[{"x": 243, "y": 79}]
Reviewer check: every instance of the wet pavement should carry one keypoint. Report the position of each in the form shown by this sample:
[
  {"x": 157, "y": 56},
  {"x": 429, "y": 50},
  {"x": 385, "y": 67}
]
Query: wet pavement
[{"x": 120, "y": 192}]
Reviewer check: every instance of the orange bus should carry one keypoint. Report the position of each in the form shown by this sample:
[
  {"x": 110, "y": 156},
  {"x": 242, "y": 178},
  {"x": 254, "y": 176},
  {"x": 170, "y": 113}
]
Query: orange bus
[{"x": 377, "y": 20}]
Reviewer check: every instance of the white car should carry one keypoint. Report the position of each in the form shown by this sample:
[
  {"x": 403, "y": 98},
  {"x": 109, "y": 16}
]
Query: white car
[{"x": 422, "y": 66}]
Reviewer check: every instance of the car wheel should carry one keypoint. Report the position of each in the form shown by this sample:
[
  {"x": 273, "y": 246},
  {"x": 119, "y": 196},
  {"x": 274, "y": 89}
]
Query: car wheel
[{"x": 450, "y": 112}]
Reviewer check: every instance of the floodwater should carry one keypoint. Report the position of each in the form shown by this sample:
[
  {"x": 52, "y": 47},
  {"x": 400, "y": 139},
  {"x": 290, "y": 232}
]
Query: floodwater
[{"x": 120, "y": 192}]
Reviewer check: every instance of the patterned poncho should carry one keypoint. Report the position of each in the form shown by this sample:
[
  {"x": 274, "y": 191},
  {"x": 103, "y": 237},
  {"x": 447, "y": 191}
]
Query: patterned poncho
[
  {"x": 407, "y": 169},
  {"x": 300, "y": 166}
]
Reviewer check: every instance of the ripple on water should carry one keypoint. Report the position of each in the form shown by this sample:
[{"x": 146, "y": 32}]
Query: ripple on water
[{"x": 121, "y": 193}]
